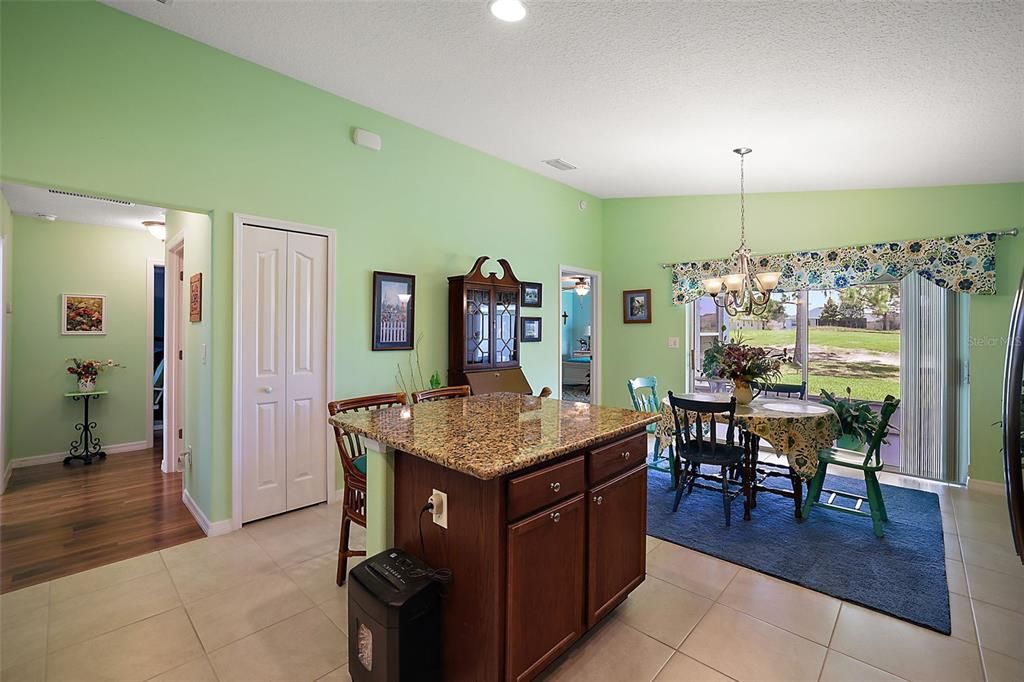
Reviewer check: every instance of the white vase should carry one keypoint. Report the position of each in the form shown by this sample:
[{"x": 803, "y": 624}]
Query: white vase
[
  {"x": 742, "y": 392},
  {"x": 86, "y": 385}
]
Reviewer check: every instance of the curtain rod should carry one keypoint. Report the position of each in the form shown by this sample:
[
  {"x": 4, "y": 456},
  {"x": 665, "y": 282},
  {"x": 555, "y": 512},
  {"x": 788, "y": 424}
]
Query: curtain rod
[{"x": 1012, "y": 232}]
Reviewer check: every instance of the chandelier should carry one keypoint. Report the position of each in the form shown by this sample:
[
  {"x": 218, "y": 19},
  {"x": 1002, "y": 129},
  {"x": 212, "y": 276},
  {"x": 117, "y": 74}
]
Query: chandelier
[{"x": 742, "y": 292}]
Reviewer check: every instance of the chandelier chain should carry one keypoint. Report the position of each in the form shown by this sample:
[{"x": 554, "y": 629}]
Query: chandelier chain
[{"x": 743, "y": 206}]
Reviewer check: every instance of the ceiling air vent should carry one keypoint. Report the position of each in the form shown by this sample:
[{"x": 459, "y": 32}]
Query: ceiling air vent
[
  {"x": 90, "y": 197},
  {"x": 560, "y": 164}
]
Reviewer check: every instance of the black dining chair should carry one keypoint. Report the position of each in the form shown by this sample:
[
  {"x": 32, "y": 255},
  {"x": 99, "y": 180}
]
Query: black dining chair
[
  {"x": 697, "y": 444},
  {"x": 777, "y": 390}
]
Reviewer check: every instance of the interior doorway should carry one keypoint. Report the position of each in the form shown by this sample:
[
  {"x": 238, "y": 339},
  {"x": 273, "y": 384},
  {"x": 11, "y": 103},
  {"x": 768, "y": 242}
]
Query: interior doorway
[
  {"x": 579, "y": 335},
  {"x": 172, "y": 397},
  {"x": 155, "y": 353}
]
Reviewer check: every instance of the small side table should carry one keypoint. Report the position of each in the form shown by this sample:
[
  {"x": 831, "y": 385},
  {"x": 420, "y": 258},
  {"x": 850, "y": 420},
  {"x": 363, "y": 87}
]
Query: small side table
[{"x": 86, "y": 446}]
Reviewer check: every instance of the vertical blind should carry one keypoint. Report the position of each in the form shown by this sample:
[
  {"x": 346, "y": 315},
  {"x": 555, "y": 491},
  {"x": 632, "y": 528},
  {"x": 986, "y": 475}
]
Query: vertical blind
[{"x": 929, "y": 381}]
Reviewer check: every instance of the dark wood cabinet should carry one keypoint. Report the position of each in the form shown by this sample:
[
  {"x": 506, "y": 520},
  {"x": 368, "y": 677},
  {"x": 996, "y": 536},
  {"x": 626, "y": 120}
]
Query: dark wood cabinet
[
  {"x": 544, "y": 612},
  {"x": 483, "y": 321},
  {"x": 535, "y": 563},
  {"x": 616, "y": 542}
]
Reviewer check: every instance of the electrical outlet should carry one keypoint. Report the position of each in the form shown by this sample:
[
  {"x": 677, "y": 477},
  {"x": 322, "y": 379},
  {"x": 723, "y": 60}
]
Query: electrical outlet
[
  {"x": 673, "y": 342},
  {"x": 440, "y": 501}
]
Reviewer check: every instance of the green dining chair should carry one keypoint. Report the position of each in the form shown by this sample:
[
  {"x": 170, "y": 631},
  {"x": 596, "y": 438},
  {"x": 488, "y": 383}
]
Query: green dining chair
[
  {"x": 869, "y": 463},
  {"x": 643, "y": 391}
]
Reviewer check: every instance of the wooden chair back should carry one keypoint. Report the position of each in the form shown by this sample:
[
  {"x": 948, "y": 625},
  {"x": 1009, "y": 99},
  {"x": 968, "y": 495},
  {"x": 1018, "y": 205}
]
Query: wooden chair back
[
  {"x": 689, "y": 440},
  {"x": 440, "y": 394},
  {"x": 350, "y": 445},
  {"x": 874, "y": 452},
  {"x": 798, "y": 391},
  {"x": 643, "y": 391}
]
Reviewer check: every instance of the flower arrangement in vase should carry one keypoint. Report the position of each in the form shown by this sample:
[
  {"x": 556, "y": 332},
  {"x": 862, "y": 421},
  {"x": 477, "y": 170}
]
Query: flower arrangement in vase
[
  {"x": 87, "y": 370},
  {"x": 741, "y": 364}
]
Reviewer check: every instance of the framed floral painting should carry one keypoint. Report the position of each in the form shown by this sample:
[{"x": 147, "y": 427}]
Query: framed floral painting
[{"x": 83, "y": 314}]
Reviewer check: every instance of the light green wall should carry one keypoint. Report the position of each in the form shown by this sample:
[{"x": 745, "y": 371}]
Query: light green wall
[
  {"x": 164, "y": 120},
  {"x": 7, "y": 239},
  {"x": 197, "y": 423},
  {"x": 643, "y": 233},
  {"x": 62, "y": 257}
]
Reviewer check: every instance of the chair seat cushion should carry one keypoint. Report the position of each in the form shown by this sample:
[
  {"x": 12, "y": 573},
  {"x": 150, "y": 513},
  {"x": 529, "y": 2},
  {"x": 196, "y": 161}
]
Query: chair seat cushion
[
  {"x": 360, "y": 464},
  {"x": 847, "y": 458},
  {"x": 715, "y": 454}
]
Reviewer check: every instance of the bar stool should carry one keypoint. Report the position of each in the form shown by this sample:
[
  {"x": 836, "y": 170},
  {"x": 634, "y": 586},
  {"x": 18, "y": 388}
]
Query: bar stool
[{"x": 352, "y": 453}]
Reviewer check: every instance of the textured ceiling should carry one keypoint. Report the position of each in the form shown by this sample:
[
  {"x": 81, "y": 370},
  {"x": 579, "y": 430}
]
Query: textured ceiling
[
  {"x": 31, "y": 201},
  {"x": 648, "y": 98}
]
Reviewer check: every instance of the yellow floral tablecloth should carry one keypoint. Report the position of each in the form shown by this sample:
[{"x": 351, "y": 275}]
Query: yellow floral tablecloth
[{"x": 797, "y": 430}]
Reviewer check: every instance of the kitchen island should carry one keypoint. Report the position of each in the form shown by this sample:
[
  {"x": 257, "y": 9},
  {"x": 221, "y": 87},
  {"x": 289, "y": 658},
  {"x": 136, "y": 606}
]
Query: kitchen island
[{"x": 546, "y": 518}]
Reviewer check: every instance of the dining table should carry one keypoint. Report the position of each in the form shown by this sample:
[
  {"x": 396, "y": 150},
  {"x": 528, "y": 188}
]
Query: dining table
[{"x": 797, "y": 431}]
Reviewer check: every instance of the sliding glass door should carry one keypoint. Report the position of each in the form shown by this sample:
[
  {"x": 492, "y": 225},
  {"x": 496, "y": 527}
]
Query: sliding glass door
[{"x": 863, "y": 342}]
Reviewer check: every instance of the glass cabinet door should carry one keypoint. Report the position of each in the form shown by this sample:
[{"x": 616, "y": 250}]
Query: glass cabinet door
[
  {"x": 506, "y": 327},
  {"x": 478, "y": 327}
]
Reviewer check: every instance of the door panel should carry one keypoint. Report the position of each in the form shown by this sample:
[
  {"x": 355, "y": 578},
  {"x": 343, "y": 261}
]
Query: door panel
[
  {"x": 545, "y": 576},
  {"x": 617, "y": 560},
  {"x": 306, "y": 362},
  {"x": 263, "y": 380}
]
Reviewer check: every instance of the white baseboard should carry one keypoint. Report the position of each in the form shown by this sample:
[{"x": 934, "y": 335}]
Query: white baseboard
[
  {"x": 50, "y": 458},
  {"x": 986, "y": 486},
  {"x": 211, "y": 529}
]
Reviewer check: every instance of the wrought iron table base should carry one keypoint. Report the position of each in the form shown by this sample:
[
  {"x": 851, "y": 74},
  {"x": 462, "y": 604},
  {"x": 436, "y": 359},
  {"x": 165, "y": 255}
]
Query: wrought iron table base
[{"x": 86, "y": 446}]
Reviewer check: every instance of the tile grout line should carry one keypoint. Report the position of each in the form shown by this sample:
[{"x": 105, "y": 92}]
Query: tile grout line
[{"x": 970, "y": 598}]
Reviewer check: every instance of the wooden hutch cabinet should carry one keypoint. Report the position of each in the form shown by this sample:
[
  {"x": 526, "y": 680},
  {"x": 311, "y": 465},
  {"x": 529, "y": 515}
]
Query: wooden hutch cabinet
[{"x": 483, "y": 322}]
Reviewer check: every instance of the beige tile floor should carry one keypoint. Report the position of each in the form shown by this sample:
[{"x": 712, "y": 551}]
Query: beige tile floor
[{"x": 261, "y": 604}]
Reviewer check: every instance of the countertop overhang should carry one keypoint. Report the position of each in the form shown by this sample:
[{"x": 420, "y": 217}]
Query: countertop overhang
[{"x": 488, "y": 436}]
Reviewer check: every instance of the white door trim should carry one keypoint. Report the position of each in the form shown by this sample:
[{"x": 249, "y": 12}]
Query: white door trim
[
  {"x": 151, "y": 265},
  {"x": 240, "y": 221},
  {"x": 174, "y": 314},
  {"x": 596, "y": 287}
]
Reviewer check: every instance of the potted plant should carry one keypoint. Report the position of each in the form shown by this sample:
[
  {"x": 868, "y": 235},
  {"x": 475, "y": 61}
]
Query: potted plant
[
  {"x": 856, "y": 418},
  {"x": 741, "y": 364},
  {"x": 88, "y": 370}
]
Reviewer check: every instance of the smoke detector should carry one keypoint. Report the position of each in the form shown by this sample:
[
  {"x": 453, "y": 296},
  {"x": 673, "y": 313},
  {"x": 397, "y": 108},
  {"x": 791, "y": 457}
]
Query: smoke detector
[{"x": 560, "y": 164}]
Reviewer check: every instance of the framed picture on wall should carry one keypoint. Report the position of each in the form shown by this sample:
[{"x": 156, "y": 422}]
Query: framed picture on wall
[
  {"x": 83, "y": 314},
  {"x": 531, "y": 329},
  {"x": 636, "y": 306},
  {"x": 532, "y": 294},
  {"x": 195, "y": 297},
  {"x": 394, "y": 307}
]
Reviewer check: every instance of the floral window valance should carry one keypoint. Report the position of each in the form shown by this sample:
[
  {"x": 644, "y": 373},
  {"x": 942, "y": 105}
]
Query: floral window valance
[{"x": 963, "y": 263}]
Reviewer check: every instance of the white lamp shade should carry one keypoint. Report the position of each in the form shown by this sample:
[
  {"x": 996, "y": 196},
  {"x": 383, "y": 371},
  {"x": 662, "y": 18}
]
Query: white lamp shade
[
  {"x": 713, "y": 285},
  {"x": 733, "y": 282},
  {"x": 767, "y": 281},
  {"x": 587, "y": 332}
]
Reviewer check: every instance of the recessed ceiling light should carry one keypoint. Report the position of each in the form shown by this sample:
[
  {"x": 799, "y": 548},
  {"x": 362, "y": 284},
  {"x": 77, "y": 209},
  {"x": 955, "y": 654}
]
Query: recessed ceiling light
[{"x": 507, "y": 10}]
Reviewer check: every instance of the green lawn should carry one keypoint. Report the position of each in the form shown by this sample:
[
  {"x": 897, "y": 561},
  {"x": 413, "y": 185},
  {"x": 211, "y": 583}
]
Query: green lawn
[
  {"x": 863, "y": 388},
  {"x": 832, "y": 337}
]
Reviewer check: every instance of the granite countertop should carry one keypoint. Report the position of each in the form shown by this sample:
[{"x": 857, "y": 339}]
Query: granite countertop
[{"x": 488, "y": 436}]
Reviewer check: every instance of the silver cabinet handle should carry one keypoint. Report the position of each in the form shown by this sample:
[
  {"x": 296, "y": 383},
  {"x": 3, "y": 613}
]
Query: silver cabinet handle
[
  {"x": 598, "y": 498},
  {"x": 556, "y": 486},
  {"x": 556, "y": 517},
  {"x": 625, "y": 455},
  {"x": 267, "y": 389}
]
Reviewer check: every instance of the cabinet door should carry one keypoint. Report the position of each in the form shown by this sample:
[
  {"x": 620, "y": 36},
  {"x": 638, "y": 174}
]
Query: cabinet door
[
  {"x": 506, "y": 327},
  {"x": 544, "y": 615},
  {"x": 617, "y": 533},
  {"x": 478, "y": 324}
]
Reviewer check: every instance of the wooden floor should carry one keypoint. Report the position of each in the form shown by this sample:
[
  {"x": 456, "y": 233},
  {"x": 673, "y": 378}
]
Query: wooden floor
[{"x": 57, "y": 520}]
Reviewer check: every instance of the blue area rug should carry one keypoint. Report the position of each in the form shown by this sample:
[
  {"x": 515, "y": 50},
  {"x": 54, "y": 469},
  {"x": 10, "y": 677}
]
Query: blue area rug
[{"x": 902, "y": 574}]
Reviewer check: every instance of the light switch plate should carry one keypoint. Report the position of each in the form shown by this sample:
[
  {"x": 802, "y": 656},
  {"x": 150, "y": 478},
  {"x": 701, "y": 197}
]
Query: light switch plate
[{"x": 673, "y": 342}]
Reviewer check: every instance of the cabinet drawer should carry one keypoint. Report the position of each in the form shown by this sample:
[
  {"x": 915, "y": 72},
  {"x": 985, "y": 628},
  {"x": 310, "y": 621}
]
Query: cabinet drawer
[
  {"x": 620, "y": 456},
  {"x": 538, "y": 489}
]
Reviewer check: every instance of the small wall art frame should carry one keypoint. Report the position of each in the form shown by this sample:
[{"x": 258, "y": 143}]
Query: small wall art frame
[
  {"x": 195, "y": 297},
  {"x": 394, "y": 311},
  {"x": 636, "y": 306},
  {"x": 532, "y": 329},
  {"x": 83, "y": 314},
  {"x": 531, "y": 294}
]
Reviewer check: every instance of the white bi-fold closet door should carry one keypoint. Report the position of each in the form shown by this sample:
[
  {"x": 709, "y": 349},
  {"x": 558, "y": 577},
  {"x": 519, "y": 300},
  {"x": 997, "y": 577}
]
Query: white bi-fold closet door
[{"x": 283, "y": 381}]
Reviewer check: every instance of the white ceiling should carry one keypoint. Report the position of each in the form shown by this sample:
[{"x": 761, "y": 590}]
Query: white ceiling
[
  {"x": 32, "y": 201},
  {"x": 648, "y": 98}
]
